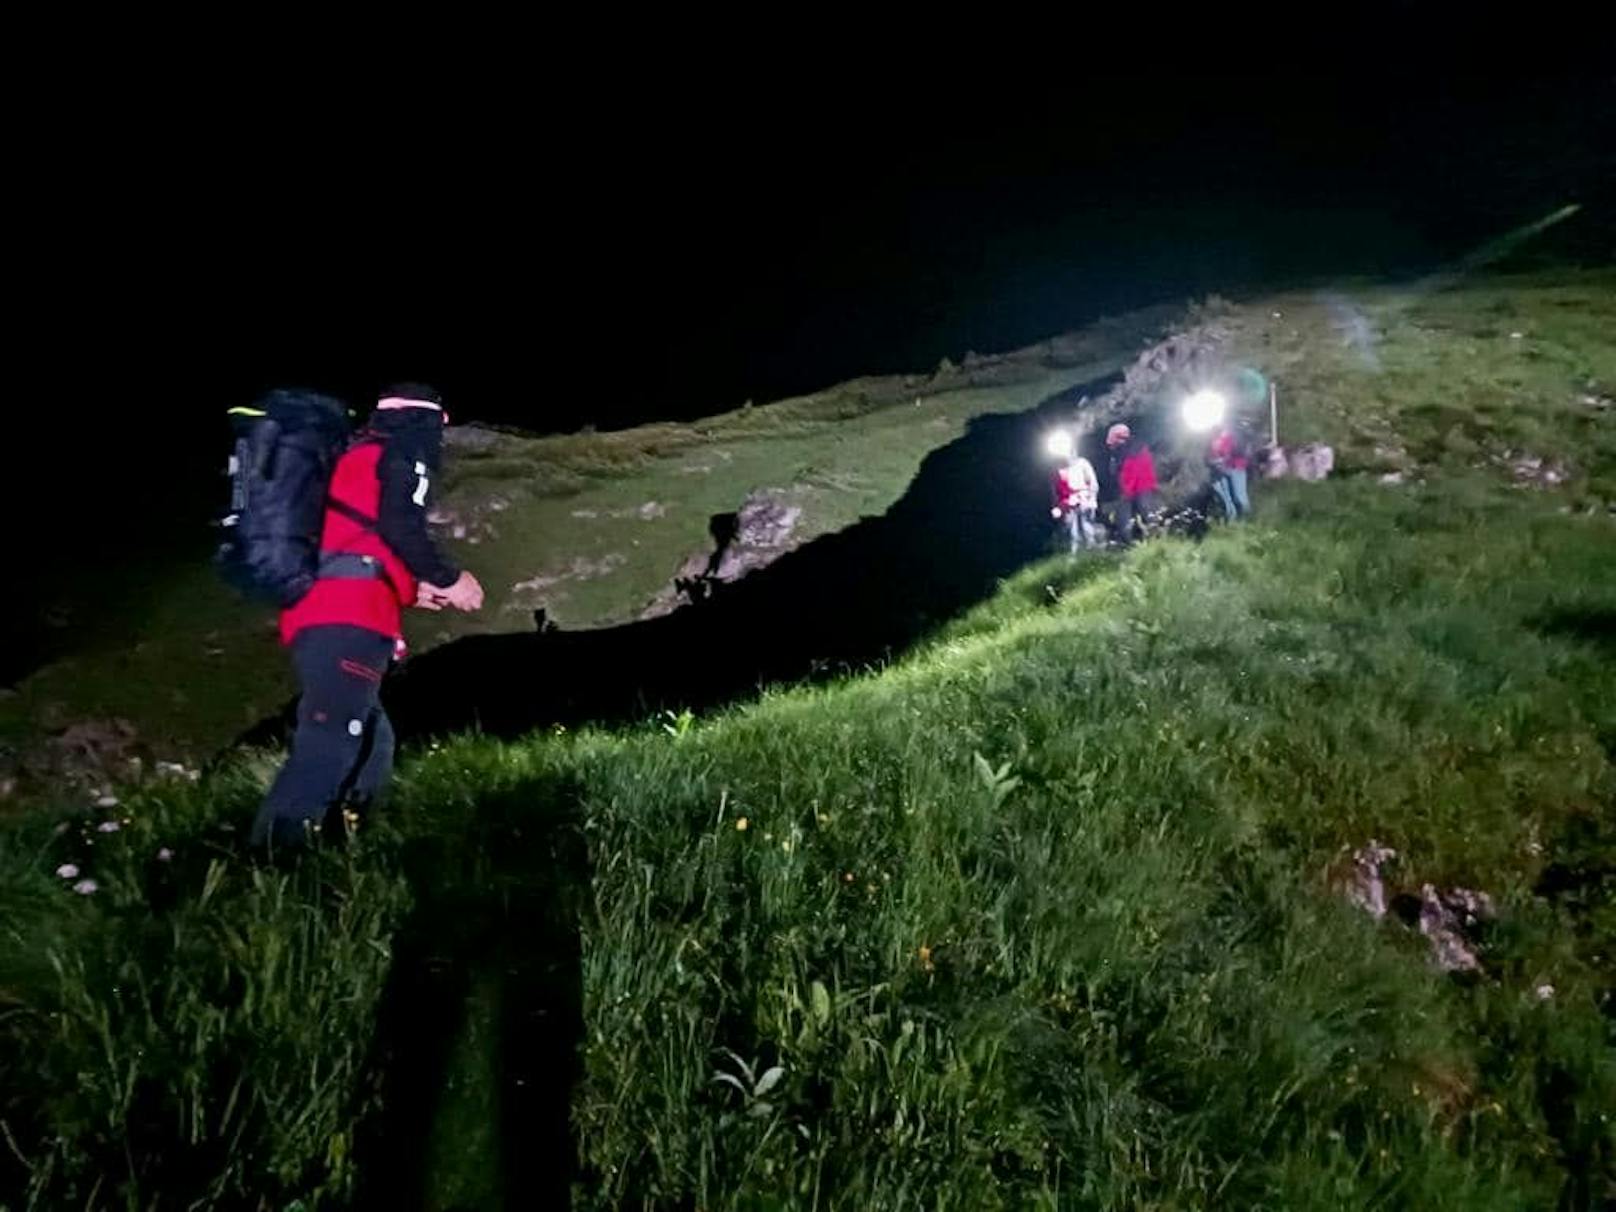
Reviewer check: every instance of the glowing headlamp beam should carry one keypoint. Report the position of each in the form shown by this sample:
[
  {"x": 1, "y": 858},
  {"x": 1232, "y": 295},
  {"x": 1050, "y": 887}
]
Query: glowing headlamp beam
[{"x": 1204, "y": 410}]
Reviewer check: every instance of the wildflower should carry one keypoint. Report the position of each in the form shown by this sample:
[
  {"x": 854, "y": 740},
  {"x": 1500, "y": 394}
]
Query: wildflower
[
  {"x": 847, "y": 877},
  {"x": 108, "y": 827},
  {"x": 107, "y": 801},
  {"x": 85, "y": 887},
  {"x": 1545, "y": 992},
  {"x": 925, "y": 957},
  {"x": 68, "y": 871},
  {"x": 164, "y": 855},
  {"x": 740, "y": 824}
]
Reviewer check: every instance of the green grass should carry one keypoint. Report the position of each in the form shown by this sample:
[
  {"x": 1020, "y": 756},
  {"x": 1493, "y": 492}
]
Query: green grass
[
  {"x": 1040, "y": 916},
  {"x": 192, "y": 666}
]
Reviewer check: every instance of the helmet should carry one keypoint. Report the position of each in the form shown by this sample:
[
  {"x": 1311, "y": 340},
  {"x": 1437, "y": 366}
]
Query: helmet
[{"x": 1117, "y": 434}]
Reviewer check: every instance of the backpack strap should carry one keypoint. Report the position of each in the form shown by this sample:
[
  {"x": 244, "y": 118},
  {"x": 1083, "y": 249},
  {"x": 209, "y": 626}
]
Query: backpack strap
[
  {"x": 345, "y": 565},
  {"x": 352, "y": 513}
]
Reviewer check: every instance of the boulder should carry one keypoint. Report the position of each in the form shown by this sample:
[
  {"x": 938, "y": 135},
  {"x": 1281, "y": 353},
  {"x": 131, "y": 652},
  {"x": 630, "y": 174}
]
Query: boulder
[
  {"x": 1447, "y": 919},
  {"x": 1313, "y": 461}
]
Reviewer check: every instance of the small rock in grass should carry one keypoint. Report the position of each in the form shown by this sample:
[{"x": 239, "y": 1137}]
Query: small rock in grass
[
  {"x": 1366, "y": 887},
  {"x": 1313, "y": 461},
  {"x": 1444, "y": 916}
]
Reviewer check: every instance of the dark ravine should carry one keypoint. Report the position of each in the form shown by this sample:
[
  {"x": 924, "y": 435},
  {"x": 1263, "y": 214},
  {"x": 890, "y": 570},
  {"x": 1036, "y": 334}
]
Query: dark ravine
[{"x": 973, "y": 515}]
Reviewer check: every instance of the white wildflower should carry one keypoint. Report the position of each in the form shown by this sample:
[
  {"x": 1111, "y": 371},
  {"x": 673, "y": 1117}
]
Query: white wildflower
[
  {"x": 164, "y": 855},
  {"x": 85, "y": 887},
  {"x": 68, "y": 871},
  {"x": 108, "y": 827}
]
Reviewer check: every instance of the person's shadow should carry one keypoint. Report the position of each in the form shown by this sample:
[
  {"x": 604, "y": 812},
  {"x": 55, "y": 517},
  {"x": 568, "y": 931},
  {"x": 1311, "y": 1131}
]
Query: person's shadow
[
  {"x": 976, "y": 512},
  {"x": 493, "y": 938},
  {"x": 496, "y": 912}
]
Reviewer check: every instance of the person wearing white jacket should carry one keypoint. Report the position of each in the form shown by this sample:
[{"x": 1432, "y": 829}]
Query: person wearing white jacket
[{"x": 1077, "y": 499}]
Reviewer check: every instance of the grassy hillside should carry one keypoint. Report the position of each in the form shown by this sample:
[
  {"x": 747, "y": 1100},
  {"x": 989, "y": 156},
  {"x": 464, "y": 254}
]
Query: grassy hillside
[
  {"x": 589, "y": 526},
  {"x": 1048, "y": 913}
]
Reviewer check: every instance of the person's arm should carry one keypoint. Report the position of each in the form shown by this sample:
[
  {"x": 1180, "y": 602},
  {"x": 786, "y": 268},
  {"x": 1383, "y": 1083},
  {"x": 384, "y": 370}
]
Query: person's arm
[{"x": 406, "y": 473}]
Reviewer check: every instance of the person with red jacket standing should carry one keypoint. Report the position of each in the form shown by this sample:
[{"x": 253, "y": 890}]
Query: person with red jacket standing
[
  {"x": 1134, "y": 470},
  {"x": 1227, "y": 456},
  {"x": 376, "y": 557}
]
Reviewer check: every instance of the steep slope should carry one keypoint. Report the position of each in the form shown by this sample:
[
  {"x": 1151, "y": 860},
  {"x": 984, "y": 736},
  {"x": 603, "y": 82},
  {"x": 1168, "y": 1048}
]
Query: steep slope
[
  {"x": 592, "y": 528},
  {"x": 1061, "y": 907}
]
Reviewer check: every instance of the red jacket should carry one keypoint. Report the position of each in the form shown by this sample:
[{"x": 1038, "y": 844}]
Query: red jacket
[
  {"x": 1228, "y": 452},
  {"x": 1137, "y": 473},
  {"x": 384, "y": 478},
  {"x": 1075, "y": 485}
]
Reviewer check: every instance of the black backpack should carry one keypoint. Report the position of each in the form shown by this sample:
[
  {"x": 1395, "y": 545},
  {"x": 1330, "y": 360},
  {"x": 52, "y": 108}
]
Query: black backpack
[{"x": 286, "y": 446}]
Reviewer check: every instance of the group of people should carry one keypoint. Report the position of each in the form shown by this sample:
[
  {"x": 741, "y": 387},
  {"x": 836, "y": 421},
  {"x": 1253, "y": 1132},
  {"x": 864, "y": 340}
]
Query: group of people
[
  {"x": 376, "y": 558},
  {"x": 1138, "y": 496}
]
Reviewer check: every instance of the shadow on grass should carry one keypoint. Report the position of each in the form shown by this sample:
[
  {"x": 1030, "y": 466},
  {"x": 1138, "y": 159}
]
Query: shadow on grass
[
  {"x": 1593, "y": 625},
  {"x": 976, "y": 512},
  {"x": 478, "y": 1037}
]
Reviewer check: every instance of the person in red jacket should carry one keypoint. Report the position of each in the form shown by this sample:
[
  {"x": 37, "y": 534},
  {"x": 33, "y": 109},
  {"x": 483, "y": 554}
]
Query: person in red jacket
[
  {"x": 1227, "y": 457},
  {"x": 376, "y": 557},
  {"x": 1134, "y": 470}
]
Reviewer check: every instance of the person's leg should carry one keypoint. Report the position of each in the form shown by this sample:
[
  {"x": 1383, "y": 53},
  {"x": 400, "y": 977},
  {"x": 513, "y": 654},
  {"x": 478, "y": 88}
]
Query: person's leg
[
  {"x": 1072, "y": 531},
  {"x": 339, "y": 670},
  {"x": 1237, "y": 487},
  {"x": 377, "y": 764},
  {"x": 1124, "y": 533},
  {"x": 1220, "y": 485},
  {"x": 1086, "y": 523},
  {"x": 1147, "y": 509}
]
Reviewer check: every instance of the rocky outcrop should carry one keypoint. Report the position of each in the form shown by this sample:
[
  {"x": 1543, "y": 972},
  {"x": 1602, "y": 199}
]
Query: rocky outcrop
[
  {"x": 762, "y": 530},
  {"x": 1450, "y": 919},
  {"x": 1533, "y": 471},
  {"x": 1314, "y": 461},
  {"x": 471, "y": 521},
  {"x": 1177, "y": 365}
]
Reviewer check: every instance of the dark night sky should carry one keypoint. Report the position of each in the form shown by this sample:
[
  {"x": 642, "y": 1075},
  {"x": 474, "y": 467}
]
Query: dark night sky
[{"x": 664, "y": 249}]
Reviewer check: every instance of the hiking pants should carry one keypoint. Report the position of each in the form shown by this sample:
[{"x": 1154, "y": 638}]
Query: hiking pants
[
  {"x": 342, "y": 750},
  {"x": 1131, "y": 508},
  {"x": 1230, "y": 485},
  {"x": 1080, "y": 525}
]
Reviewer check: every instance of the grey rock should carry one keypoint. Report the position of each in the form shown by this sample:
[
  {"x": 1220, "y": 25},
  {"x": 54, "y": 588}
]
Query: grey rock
[
  {"x": 1314, "y": 461},
  {"x": 1365, "y": 884},
  {"x": 1446, "y": 918}
]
